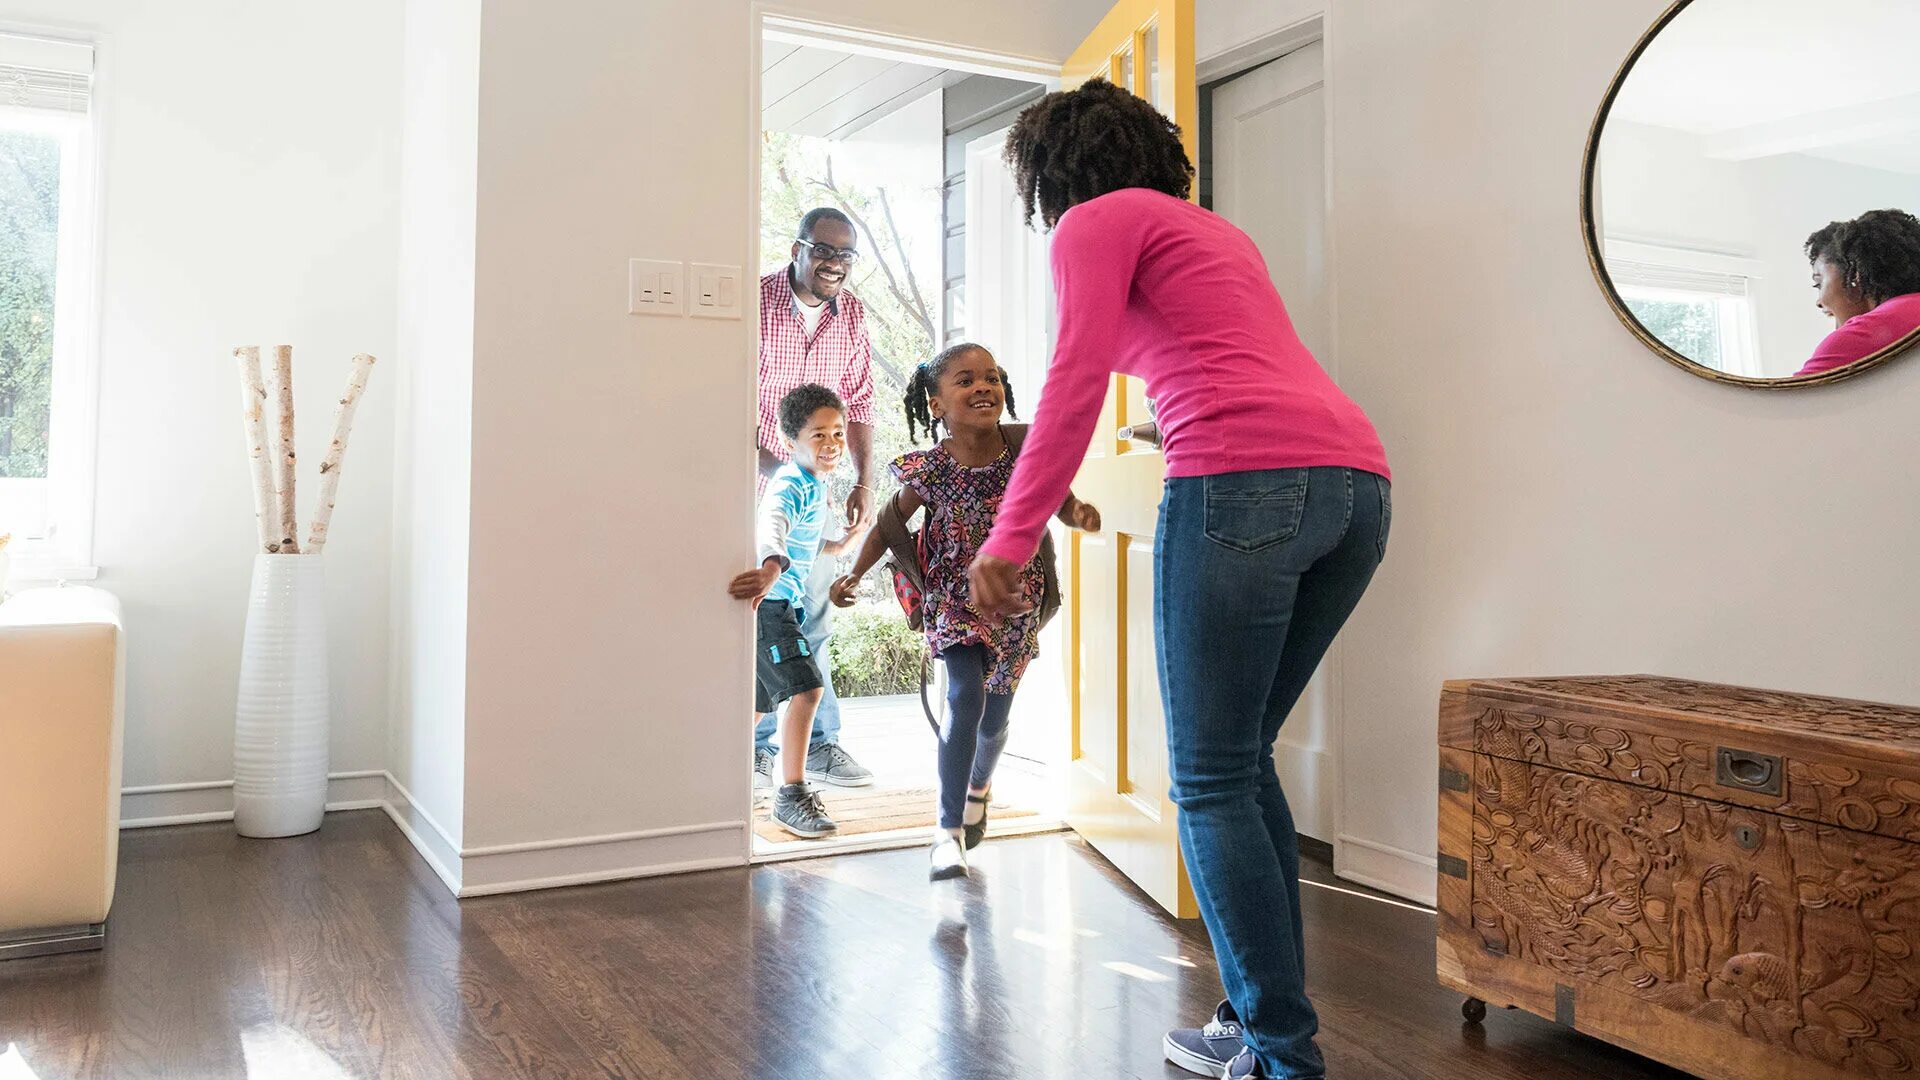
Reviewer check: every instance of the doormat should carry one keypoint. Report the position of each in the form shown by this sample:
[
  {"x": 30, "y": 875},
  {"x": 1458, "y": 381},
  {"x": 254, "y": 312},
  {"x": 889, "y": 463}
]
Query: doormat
[{"x": 859, "y": 811}]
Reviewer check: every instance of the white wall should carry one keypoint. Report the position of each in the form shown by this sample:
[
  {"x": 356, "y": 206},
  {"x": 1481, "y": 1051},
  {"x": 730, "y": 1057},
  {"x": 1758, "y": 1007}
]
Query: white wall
[
  {"x": 1660, "y": 184},
  {"x": 426, "y": 750},
  {"x": 1220, "y": 26},
  {"x": 604, "y": 653},
  {"x": 251, "y": 157},
  {"x": 1565, "y": 501}
]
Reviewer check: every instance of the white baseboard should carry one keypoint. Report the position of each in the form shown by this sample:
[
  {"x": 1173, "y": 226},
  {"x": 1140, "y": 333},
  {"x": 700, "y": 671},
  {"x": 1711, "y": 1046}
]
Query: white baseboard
[
  {"x": 440, "y": 852},
  {"x": 548, "y": 864},
  {"x": 470, "y": 871},
  {"x": 1387, "y": 868},
  {"x": 212, "y": 800}
]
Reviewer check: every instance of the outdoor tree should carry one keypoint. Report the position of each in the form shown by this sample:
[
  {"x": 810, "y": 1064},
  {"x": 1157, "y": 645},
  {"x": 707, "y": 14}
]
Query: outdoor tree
[
  {"x": 797, "y": 175},
  {"x": 29, "y": 236}
]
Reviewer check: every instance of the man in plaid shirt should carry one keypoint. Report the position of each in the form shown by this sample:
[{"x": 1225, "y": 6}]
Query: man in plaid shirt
[{"x": 813, "y": 331}]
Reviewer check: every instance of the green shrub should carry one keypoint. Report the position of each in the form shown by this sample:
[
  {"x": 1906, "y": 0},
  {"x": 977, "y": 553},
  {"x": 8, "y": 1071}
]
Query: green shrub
[{"x": 874, "y": 652}]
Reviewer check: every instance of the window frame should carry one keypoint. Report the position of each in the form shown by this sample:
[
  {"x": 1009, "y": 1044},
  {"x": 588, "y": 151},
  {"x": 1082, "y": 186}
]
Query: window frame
[
  {"x": 1737, "y": 315},
  {"x": 66, "y": 552}
]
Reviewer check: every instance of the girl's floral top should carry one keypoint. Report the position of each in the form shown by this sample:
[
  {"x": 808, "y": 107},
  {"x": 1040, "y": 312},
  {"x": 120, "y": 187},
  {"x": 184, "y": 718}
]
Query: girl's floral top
[{"x": 961, "y": 503}]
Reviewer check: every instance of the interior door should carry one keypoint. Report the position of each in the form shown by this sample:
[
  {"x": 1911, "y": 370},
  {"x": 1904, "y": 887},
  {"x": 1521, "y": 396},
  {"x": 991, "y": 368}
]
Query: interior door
[
  {"x": 1117, "y": 792},
  {"x": 1269, "y": 177}
]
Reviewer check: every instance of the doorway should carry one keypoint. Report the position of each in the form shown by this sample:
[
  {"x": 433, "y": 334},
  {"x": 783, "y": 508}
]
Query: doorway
[{"x": 905, "y": 145}]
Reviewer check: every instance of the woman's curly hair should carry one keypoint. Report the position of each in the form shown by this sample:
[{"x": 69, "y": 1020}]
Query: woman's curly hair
[
  {"x": 1877, "y": 253},
  {"x": 1076, "y": 145}
]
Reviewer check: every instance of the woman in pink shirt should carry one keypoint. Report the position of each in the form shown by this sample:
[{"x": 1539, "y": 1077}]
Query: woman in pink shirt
[
  {"x": 1275, "y": 515},
  {"x": 1866, "y": 275}
]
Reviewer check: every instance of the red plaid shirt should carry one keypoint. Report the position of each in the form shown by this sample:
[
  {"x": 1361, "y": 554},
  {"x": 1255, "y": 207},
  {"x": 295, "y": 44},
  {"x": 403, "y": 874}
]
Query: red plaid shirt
[{"x": 840, "y": 356}]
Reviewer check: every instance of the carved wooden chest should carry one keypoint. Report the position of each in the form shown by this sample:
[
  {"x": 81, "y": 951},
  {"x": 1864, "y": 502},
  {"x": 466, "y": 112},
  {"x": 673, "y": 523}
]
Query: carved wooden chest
[{"x": 1721, "y": 879}]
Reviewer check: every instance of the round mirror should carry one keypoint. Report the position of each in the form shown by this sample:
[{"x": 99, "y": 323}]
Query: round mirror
[{"x": 1750, "y": 188}]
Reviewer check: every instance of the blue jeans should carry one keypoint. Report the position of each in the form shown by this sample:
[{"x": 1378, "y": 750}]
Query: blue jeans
[
  {"x": 975, "y": 732},
  {"x": 1254, "y": 574},
  {"x": 816, "y": 626}
]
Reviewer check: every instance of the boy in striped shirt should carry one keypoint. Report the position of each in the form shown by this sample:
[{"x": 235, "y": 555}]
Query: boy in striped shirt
[{"x": 794, "y": 514}]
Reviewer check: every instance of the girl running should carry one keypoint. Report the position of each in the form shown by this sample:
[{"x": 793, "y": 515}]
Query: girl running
[{"x": 960, "y": 481}]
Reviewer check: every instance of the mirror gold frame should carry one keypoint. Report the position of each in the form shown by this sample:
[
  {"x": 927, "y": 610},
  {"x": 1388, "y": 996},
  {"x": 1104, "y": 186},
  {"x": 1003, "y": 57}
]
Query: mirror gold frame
[{"x": 1590, "y": 229}]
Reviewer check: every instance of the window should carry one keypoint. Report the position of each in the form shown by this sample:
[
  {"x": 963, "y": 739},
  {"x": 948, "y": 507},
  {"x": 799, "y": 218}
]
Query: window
[
  {"x": 1698, "y": 303},
  {"x": 47, "y": 258}
]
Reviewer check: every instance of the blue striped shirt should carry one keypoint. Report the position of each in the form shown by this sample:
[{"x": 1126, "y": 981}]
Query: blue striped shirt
[{"x": 792, "y": 523}]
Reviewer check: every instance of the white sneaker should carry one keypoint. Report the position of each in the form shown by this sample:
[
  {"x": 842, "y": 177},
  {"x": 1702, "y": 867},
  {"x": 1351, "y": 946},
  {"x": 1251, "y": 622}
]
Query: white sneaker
[{"x": 948, "y": 859}]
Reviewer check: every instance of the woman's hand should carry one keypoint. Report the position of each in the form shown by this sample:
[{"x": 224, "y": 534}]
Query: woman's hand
[
  {"x": 845, "y": 591},
  {"x": 1086, "y": 517},
  {"x": 995, "y": 586}
]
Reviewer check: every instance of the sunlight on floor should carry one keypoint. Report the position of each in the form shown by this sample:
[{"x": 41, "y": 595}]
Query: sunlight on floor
[
  {"x": 279, "y": 1053},
  {"x": 1135, "y": 971},
  {"x": 15, "y": 1067}
]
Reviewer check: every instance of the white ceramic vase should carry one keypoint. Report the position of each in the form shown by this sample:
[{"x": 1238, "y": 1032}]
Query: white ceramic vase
[{"x": 280, "y": 722}]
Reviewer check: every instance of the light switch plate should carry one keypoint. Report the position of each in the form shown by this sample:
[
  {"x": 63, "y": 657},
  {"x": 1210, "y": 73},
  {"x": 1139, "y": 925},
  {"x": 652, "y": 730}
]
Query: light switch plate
[
  {"x": 656, "y": 287},
  {"x": 714, "y": 292}
]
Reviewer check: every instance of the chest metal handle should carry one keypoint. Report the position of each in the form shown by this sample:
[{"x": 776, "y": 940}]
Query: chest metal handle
[{"x": 1744, "y": 770}]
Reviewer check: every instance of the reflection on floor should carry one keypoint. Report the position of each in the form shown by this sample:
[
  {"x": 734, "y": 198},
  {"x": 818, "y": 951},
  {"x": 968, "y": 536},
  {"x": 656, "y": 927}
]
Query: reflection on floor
[
  {"x": 890, "y": 735},
  {"x": 340, "y": 955}
]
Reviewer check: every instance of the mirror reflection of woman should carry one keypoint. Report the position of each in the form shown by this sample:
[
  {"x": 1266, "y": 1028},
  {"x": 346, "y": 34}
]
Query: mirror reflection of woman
[{"x": 1866, "y": 275}]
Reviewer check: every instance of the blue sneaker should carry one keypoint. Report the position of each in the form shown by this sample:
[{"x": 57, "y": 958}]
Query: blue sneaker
[{"x": 1207, "y": 1050}]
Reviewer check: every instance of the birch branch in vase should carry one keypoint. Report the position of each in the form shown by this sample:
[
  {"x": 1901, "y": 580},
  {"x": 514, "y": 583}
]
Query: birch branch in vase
[
  {"x": 253, "y": 405},
  {"x": 287, "y": 522},
  {"x": 337, "y": 451}
]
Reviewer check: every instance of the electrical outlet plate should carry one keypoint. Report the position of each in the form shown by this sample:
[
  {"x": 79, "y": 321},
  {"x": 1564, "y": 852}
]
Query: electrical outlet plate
[
  {"x": 656, "y": 287},
  {"x": 715, "y": 292}
]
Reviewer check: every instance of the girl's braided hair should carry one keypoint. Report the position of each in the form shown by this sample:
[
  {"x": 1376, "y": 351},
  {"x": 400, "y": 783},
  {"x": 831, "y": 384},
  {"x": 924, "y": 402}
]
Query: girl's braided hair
[
  {"x": 1076, "y": 145},
  {"x": 924, "y": 384}
]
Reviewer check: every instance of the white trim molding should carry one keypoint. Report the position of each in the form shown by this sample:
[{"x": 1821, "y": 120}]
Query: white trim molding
[
  {"x": 152, "y": 805},
  {"x": 797, "y": 30},
  {"x": 580, "y": 860},
  {"x": 1389, "y": 869},
  {"x": 1251, "y": 54},
  {"x": 470, "y": 871}
]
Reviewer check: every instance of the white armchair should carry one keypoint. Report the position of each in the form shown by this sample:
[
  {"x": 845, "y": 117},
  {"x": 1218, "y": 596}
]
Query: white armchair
[{"x": 62, "y": 694}]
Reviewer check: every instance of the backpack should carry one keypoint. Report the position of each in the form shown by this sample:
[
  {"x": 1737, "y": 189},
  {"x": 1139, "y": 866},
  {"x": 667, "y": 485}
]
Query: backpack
[{"x": 907, "y": 556}]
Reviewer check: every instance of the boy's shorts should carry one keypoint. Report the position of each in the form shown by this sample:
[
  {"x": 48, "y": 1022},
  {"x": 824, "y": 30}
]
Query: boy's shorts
[{"x": 784, "y": 667}]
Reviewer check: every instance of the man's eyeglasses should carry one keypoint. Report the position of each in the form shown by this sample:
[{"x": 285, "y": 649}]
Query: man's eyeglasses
[{"x": 829, "y": 253}]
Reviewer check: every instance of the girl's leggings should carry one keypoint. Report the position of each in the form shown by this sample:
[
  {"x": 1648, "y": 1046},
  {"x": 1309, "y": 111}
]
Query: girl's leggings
[{"x": 975, "y": 730}]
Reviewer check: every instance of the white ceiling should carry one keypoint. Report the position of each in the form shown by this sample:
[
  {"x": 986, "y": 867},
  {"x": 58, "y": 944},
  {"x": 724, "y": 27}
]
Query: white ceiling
[
  {"x": 808, "y": 90},
  {"x": 1834, "y": 79}
]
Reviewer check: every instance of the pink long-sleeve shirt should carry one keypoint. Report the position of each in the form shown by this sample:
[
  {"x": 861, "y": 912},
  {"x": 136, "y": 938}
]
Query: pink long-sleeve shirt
[
  {"x": 1155, "y": 287},
  {"x": 1864, "y": 335}
]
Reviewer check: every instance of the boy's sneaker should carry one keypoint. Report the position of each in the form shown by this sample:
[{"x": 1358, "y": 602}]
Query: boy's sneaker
[
  {"x": 797, "y": 808},
  {"x": 762, "y": 769},
  {"x": 1207, "y": 1050},
  {"x": 828, "y": 764}
]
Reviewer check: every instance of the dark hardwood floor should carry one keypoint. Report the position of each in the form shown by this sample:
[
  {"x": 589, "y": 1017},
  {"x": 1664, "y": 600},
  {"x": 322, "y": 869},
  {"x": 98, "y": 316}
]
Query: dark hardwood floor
[{"x": 339, "y": 955}]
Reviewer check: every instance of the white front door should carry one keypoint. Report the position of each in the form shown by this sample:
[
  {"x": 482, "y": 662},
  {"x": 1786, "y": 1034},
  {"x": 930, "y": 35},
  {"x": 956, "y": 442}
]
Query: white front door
[{"x": 1269, "y": 178}]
